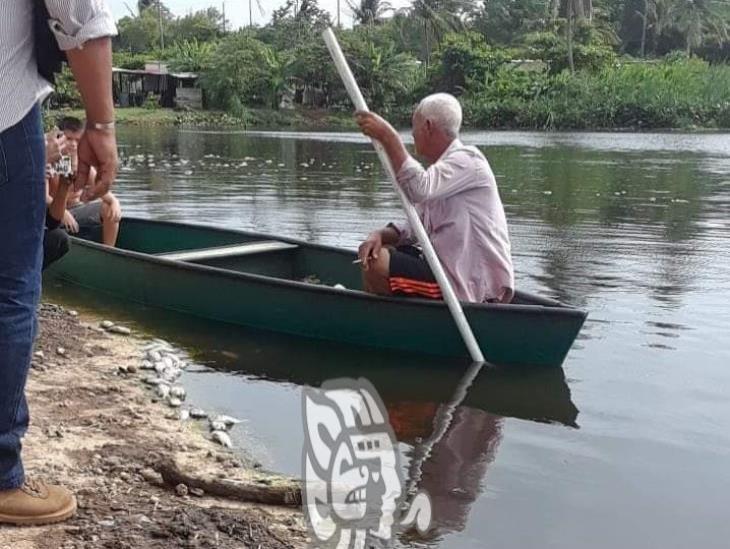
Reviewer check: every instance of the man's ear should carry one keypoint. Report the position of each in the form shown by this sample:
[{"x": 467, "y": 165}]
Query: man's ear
[{"x": 429, "y": 126}]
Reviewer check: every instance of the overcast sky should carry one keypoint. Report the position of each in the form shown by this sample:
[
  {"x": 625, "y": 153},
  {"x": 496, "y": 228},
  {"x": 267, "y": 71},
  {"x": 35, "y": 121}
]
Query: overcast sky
[{"x": 237, "y": 10}]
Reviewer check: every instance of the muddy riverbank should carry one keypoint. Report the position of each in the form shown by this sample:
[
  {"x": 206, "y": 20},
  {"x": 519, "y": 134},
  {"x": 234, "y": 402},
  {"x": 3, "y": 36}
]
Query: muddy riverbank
[{"x": 98, "y": 429}]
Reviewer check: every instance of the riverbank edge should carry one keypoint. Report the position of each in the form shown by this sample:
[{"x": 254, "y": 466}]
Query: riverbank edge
[
  {"x": 99, "y": 430},
  {"x": 260, "y": 119},
  {"x": 312, "y": 120}
]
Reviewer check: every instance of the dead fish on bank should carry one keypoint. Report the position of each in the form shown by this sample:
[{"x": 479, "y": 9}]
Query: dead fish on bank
[
  {"x": 222, "y": 438},
  {"x": 171, "y": 361},
  {"x": 171, "y": 374},
  {"x": 197, "y": 413},
  {"x": 163, "y": 390},
  {"x": 154, "y": 381},
  {"x": 218, "y": 426},
  {"x": 178, "y": 392},
  {"x": 160, "y": 341}
]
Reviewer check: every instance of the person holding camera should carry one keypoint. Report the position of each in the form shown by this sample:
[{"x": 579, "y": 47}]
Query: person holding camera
[{"x": 58, "y": 171}]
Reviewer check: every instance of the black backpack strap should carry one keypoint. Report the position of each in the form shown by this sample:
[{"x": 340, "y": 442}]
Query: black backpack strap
[{"x": 48, "y": 55}]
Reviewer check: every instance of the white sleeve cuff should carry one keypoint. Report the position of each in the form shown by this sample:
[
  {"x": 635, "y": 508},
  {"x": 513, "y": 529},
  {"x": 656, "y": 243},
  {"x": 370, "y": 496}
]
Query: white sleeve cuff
[{"x": 68, "y": 39}]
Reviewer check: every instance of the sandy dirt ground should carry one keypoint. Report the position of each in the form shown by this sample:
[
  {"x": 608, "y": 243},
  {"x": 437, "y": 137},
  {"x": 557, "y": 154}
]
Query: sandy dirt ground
[{"x": 98, "y": 430}]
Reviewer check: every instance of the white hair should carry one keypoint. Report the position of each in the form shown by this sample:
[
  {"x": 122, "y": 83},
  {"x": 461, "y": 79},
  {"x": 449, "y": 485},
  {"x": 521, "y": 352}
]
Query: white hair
[{"x": 444, "y": 112}]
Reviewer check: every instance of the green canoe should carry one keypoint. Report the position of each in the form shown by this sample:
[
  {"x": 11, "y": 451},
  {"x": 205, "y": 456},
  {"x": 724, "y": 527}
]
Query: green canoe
[{"x": 262, "y": 281}]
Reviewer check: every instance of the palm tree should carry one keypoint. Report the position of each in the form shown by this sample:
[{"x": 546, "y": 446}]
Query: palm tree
[
  {"x": 437, "y": 17},
  {"x": 278, "y": 66},
  {"x": 250, "y": 10},
  {"x": 698, "y": 21},
  {"x": 306, "y": 9},
  {"x": 385, "y": 74},
  {"x": 571, "y": 57},
  {"x": 648, "y": 14},
  {"x": 581, "y": 9},
  {"x": 574, "y": 10},
  {"x": 369, "y": 12}
]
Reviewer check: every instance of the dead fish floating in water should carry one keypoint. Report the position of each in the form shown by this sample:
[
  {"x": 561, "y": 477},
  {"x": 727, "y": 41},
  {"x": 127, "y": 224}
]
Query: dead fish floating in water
[
  {"x": 228, "y": 421},
  {"x": 222, "y": 438}
]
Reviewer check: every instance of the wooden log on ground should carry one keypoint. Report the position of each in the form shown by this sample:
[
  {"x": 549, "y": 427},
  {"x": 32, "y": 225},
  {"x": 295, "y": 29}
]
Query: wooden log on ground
[{"x": 267, "y": 490}]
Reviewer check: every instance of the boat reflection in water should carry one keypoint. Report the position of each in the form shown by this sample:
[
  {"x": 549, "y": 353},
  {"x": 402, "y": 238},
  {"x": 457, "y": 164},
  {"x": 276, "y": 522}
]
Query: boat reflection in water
[
  {"x": 448, "y": 417},
  {"x": 453, "y": 441}
]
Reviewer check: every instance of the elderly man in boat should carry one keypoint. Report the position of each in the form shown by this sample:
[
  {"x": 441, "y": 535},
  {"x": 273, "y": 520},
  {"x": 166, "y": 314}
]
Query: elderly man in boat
[{"x": 459, "y": 204}]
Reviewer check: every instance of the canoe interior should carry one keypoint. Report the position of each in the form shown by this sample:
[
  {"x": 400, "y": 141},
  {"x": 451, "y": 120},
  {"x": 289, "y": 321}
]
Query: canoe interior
[{"x": 326, "y": 264}]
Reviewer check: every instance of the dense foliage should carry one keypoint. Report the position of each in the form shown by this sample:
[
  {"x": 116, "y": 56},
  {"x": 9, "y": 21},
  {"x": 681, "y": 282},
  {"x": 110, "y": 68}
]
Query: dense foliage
[{"x": 514, "y": 63}]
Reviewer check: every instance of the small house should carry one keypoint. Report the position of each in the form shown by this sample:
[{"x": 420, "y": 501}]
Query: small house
[{"x": 133, "y": 87}]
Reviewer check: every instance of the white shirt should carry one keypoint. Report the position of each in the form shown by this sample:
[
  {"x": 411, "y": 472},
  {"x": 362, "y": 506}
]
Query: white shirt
[
  {"x": 458, "y": 201},
  {"x": 73, "y": 23}
]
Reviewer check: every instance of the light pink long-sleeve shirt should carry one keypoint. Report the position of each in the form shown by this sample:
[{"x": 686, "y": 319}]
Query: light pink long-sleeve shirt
[{"x": 458, "y": 201}]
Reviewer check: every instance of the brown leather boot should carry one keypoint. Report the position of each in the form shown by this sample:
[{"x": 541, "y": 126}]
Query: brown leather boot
[{"x": 36, "y": 503}]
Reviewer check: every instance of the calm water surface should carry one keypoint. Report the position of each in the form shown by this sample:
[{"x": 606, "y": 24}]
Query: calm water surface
[{"x": 627, "y": 446}]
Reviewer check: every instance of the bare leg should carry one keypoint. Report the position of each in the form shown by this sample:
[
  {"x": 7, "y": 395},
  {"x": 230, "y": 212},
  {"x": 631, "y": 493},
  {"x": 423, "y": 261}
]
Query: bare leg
[
  {"x": 109, "y": 227},
  {"x": 376, "y": 280}
]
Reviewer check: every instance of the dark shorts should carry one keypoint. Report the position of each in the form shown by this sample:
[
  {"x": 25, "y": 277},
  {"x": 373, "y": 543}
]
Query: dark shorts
[
  {"x": 55, "y": 246},
  {"x": 87, "y": 214},
  {"x": 410, "y": 274}
]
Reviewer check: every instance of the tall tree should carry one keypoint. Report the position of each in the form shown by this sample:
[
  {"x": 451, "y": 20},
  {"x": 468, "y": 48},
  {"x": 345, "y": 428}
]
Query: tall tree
[
  {"x": 506, "y": 21},
  {"x": 310, "y": 11},
  {"x": 699, "y": 21},
  {"x": 580, "y": 9},
  {"x": 250, "y": 10},
  {"x": 203, "y": 26},
  {"x": 645, "y": 16},
  {"x": 369, "y": 12},
  {"x": 437, "y": 17}
]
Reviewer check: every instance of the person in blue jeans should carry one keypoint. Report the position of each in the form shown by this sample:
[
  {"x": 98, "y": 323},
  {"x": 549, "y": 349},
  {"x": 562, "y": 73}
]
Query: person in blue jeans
[{"x": 83, "y": 29}]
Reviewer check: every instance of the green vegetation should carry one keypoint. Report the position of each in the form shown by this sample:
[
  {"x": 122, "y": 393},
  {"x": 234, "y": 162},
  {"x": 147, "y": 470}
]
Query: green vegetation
[
  {"x": 300, "y": 119},
  {"x": 550, "y": 64}
]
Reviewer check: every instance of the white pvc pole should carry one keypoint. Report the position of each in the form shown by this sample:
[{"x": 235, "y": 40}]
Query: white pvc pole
[{"x": 448, "y": 292}]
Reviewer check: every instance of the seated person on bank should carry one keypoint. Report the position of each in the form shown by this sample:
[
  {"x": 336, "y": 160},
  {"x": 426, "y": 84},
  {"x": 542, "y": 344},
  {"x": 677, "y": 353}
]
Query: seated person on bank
[
  {"x": 55, "y": 239},
  {"x": 83, "y": 213},
  {"x": 459, "y": 204}
]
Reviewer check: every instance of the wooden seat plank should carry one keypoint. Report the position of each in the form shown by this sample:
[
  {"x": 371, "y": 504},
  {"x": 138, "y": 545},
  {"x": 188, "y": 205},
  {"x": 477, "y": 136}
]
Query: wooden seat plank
[{"x": 218, "y": 252}]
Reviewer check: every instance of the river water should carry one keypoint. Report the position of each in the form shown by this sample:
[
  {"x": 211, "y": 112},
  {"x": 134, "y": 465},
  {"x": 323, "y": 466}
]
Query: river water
[{"x": 627, "y": 446}]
